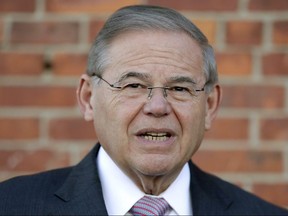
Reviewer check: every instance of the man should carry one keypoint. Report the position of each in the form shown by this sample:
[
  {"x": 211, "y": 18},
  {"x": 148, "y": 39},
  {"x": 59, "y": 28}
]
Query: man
[{"x": 151, "y": 90}]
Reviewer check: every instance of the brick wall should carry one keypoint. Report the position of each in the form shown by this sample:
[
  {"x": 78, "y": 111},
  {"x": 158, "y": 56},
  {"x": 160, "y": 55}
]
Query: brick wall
[{"x": 44, "y": 45}]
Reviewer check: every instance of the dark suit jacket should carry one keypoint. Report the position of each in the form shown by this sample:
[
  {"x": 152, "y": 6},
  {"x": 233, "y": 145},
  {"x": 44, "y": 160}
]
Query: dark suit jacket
[{"x": 77, "y": 191}]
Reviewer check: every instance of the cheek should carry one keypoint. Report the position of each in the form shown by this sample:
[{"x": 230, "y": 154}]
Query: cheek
[
  {"x": 191, "y": 115},
  {"x": 192, "y": 121},
  {"x": 112, "y": 116}
]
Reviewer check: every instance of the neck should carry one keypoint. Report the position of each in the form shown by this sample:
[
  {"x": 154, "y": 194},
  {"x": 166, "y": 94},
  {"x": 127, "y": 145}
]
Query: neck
[{"x": 153, "y": 185}]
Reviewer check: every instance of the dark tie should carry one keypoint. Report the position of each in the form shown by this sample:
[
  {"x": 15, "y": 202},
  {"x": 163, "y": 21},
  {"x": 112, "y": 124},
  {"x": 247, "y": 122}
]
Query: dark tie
[{"x": 150, "y": 206}]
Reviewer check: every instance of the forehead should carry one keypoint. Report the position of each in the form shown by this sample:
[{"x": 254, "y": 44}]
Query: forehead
[{"x": 155, "y": 52}]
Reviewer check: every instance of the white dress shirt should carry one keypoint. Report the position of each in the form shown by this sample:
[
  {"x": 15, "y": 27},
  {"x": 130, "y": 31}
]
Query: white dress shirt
[{"x": 121, "y": 193}]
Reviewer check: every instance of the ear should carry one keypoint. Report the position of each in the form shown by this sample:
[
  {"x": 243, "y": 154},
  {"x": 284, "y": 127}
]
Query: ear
[
  {"x": 212, "y": 105},
  {"x": 84, "y": 97}
]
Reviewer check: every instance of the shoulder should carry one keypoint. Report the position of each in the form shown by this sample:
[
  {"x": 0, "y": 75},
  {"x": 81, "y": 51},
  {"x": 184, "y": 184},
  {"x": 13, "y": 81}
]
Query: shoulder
[
  {"x": 51, "y": 191},
  {"x": 30, "y": 191},
  {"x": 49, "y": 178},
  {"x": 237, "y": 200}
]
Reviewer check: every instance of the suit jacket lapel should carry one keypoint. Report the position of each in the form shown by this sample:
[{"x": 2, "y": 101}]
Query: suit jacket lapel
[
  {"x": 81, "y": 193},
  {"x": 207, "y": 197}
]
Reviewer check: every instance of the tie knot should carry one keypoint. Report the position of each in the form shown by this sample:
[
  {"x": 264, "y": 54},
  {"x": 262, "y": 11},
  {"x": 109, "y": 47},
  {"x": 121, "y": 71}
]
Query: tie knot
[{"x": 150, "y": 206}]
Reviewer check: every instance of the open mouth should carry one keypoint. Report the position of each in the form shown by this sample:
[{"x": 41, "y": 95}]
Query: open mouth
[{"x": 152, "y": 136}]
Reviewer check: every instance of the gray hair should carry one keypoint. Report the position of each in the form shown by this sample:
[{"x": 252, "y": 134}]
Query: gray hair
[{"x": 144, "y": 17}]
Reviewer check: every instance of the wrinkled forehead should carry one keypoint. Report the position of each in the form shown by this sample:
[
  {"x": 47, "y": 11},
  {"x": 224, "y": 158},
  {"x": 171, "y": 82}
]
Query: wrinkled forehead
[
  {"x": 179, "y": 42},
  {"x": 155, "y": 50}
]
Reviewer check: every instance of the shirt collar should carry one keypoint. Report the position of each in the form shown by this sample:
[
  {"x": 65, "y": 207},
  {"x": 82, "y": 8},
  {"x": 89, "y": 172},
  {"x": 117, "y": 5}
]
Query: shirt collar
[{"x": 121, "y": 193}]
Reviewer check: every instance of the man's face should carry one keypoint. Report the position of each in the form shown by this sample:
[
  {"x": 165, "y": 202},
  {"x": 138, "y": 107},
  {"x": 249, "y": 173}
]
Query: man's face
[{"x": 156, "y": 136}]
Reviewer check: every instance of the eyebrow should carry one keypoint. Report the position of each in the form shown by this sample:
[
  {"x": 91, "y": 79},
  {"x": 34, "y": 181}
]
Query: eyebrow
[
  {"x": 138, "y": 75},
  {"x": 182, "y": 79}
]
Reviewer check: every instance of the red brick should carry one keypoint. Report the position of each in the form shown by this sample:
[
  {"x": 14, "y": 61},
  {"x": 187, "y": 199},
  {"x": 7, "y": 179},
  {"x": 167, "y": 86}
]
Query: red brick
[
  {"x": 275, "y": 64},
  {"x": 43, "y": 96},
  {"x": 32, "y": 161},
  {"x": 71, "y": 129},
  {"x": 244, "y": 33},
  {"x": 69, "y": 64},
  {"x": 196, "y": 5},
  {"x": 19, "y": 128},
  {"x": 21, "y": 64},
  {"x": 95, "y": 27},
  {"x": 229, "y": 129},
  {"x": 240, "y": 161},
  {"x": 276, "y": 192},
  {"x": 45, "y": 32},
  {"x": 274, "y": 129},
  {"x": 208, "y": 27},
  {"x": 268, "y": 5},
  {"x": 280, "y": 32},
  {"x": 258, "y": 96},
  {"x": 93, "y": 6},
  {"x": 17, "y": 5},
  {"x": 226, "y": 64}
]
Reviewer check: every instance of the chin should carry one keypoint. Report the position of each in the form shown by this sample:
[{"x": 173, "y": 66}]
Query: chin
[{"x": 155, "y": 167}]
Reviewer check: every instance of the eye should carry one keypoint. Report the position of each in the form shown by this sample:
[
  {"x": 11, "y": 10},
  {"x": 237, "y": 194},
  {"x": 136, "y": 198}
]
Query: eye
[
  {"x": 179, "y": 89},
  {"x": 134, "y": 85}
]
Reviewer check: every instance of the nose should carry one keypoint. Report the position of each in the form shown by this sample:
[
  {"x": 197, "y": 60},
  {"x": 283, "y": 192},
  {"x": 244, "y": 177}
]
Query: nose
[
  {"x": 157, "y": 104},
  {"x": 150, "y": 93}
]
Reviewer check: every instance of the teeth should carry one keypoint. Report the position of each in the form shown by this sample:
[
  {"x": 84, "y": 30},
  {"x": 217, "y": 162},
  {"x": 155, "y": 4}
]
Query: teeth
[
  {"x": 153, "y": 138},
  {"x": 156, "y": 136}
]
